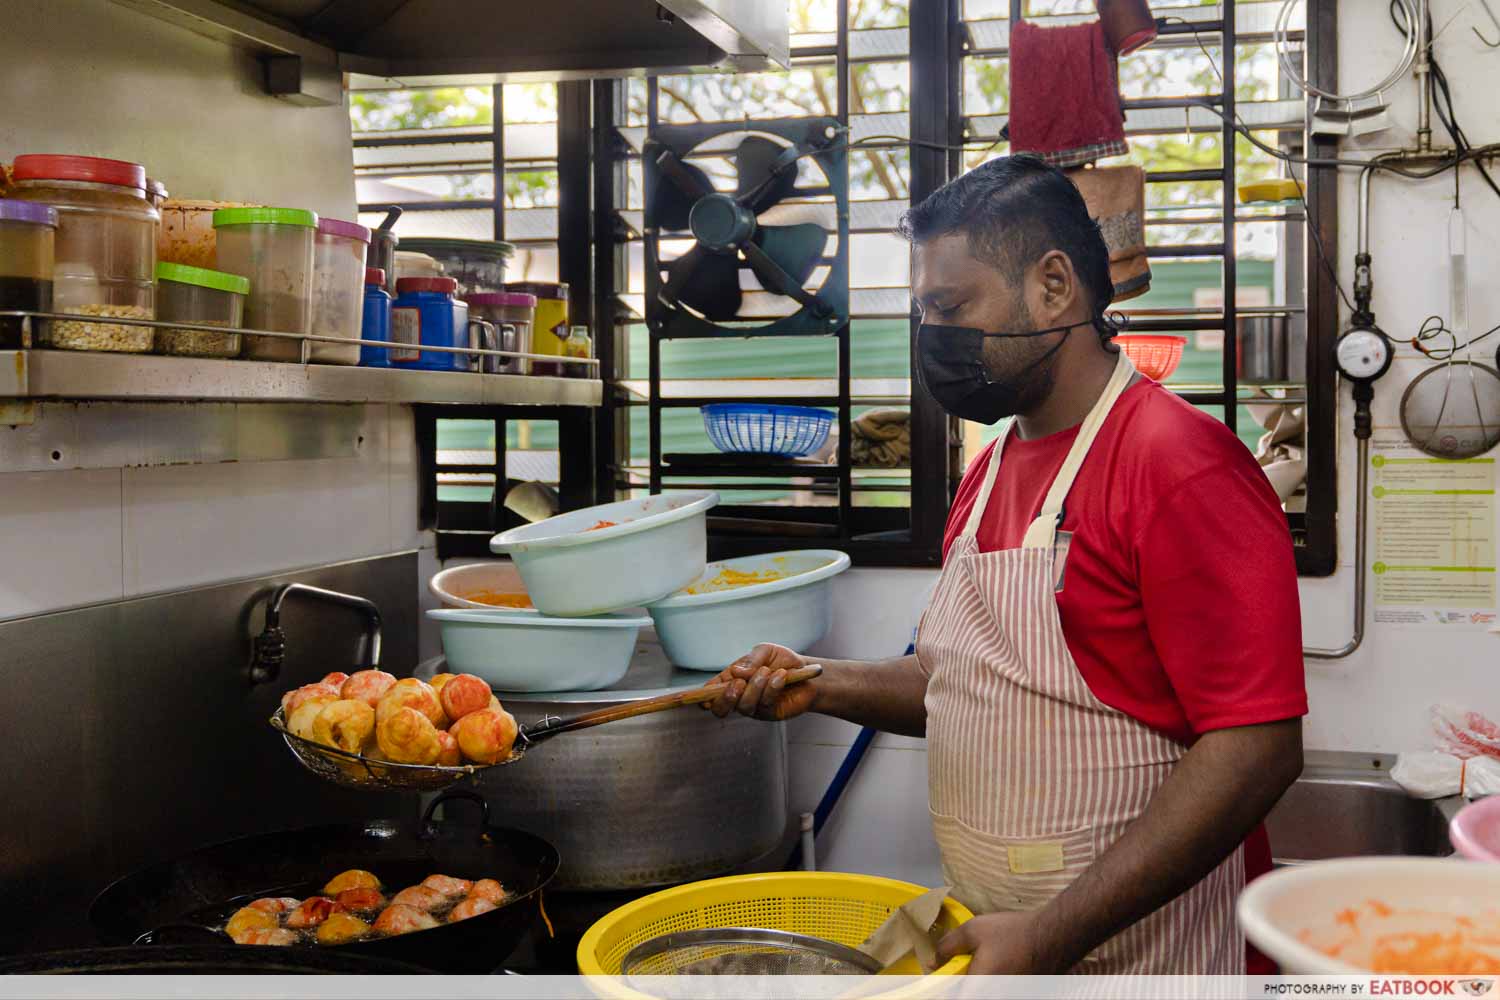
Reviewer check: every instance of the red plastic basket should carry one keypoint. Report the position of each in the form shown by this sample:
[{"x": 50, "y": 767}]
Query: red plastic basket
[{"x": 1154, "y": 355}]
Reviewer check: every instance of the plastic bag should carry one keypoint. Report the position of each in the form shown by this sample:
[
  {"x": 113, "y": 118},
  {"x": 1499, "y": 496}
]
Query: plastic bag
[
  {"x": 1427, "y": 774},
  {"x": 1464, "y": 734},
  {"x": 1481, "y": 777}
]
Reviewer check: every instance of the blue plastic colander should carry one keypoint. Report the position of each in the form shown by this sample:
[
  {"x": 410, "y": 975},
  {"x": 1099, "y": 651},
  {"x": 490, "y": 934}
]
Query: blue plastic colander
[{"x": 766, "y": 428}]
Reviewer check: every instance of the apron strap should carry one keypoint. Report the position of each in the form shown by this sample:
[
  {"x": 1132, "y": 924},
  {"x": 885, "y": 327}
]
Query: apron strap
[
  {"x": 982, "y": 502},
  {"x": 1043, "y": 531}
]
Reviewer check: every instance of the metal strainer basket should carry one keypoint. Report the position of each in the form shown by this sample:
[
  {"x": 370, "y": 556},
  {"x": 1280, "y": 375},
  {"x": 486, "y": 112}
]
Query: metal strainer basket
[{"x": 744, "y": 951}]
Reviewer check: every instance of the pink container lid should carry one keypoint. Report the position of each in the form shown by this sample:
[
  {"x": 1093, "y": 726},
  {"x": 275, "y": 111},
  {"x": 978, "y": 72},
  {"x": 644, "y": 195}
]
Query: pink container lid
[
  {"x": 348, "y": 230},
  {"x": 1475, "y": 831},
  {"x": 520, "y": 299}
]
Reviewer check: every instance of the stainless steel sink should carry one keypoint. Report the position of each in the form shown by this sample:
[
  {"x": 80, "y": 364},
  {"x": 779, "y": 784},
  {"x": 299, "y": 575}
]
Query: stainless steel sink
[{"x": 1346, "y": 805}]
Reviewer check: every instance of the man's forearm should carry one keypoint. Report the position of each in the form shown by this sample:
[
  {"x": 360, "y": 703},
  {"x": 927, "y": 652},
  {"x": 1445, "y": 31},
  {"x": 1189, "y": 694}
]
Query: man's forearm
[
  {"x": 1215, "y": 796},
  {"x": 886, "y": 694}
]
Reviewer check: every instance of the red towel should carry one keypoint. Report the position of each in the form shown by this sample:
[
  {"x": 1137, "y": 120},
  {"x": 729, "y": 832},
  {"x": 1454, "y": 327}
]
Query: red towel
[{"x": 1064, "y": 95}]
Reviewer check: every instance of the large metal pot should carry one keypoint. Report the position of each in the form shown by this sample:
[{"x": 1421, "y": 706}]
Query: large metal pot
[{"x": 657, "y": 800}]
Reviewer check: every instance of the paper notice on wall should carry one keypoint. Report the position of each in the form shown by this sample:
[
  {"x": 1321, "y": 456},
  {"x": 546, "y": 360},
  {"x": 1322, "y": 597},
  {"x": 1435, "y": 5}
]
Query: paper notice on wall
[{"x": 1433, "y": 546}]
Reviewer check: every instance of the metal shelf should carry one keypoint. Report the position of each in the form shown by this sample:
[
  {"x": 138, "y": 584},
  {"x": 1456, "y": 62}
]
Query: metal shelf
[{"x": 54, "y": 374}]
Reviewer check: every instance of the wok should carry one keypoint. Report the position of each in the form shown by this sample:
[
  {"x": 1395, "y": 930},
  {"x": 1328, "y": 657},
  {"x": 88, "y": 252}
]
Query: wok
[
  {"x": 204, "y": 960},
  {"x": 180, "y": 901}
]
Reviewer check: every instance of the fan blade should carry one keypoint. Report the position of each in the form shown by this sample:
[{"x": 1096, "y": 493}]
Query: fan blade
[
  {"x": 678, "y": 186},
  {"x": 759, "y": 185},
  {"x": 706, "y": 281},
  {"x": 793, "y": 249}
]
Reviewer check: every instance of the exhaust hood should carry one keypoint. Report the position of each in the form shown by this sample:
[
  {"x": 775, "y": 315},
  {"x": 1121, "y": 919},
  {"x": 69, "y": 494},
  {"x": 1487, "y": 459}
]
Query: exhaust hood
[{"x": 307, "y": 45}]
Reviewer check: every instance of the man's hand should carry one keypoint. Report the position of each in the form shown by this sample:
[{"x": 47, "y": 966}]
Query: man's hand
[
  {"x": 1003, "y": 944},
  {"x": 756, "y": 686}
]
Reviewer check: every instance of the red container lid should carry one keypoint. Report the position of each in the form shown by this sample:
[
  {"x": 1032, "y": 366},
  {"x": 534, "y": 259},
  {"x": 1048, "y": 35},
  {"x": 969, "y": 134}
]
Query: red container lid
[
  {"x": 348, "y": 230},
  {"x": 520, "y": 299},
  {"x": 56, "y": 167},
  {"x": 374, "y": 275},
  {"x": 445, "y": 285}
]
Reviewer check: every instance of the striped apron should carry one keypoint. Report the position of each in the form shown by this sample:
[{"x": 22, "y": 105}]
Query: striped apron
[{"x": 1030, "y": 777}]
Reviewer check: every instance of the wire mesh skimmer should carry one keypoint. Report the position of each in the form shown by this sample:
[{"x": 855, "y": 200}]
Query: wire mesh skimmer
[
  {"x": 355, "y": 770},
  {"x": 744, "y": 951}
]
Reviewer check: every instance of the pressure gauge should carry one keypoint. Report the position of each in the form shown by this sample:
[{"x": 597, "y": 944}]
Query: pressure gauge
[{"x": 1363, "y": 355}]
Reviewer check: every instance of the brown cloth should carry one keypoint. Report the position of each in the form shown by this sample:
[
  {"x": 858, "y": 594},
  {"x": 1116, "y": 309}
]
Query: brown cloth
[
  {"x": 1116, "y": 197},
  {"x": 881, "y": 438}
]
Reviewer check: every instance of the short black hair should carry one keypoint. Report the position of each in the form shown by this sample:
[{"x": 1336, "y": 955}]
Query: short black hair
[{"x": 1014, "y": 209}]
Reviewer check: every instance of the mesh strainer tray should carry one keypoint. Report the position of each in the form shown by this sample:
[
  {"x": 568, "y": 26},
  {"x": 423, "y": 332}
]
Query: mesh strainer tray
[
  {"x": 744, "y": 951},
  {"x": 354, "y": 770}
]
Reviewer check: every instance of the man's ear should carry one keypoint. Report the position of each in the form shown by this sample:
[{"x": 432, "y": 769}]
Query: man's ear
[{"x": 1055, "y": 286}]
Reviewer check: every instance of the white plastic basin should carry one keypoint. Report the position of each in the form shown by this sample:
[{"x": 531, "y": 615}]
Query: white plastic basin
[
  {"x": 524, "y": 651},
  {"x": 1277, "y": 908},
  {"x": 498, "y": 577},
  {"x": 710, "y": 629},
  {"x": 655, "y": 546}
]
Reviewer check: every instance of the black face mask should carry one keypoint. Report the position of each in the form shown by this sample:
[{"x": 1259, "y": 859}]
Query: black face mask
[{"x": 950, "y": 364}]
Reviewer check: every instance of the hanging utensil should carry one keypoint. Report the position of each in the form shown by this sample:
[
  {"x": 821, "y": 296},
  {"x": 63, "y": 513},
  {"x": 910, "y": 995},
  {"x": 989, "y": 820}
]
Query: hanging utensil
[{"x": 354, "y": 770}]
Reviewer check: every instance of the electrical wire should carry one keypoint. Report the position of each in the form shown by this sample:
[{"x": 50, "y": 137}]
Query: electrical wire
[{"x": 1434, "y": 327}]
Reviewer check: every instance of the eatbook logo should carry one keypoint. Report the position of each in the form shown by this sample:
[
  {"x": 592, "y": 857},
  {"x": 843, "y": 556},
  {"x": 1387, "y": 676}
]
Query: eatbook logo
[{"x": 1476, "y": 987}]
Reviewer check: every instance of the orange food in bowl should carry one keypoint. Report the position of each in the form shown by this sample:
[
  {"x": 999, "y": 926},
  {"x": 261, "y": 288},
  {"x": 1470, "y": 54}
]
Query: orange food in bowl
[
  {"x": 497, "y": 599},
  {"x": 1411, "y": 941}
]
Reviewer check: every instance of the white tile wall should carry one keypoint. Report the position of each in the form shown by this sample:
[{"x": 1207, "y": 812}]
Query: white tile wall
[{"x": 60, "y": 540}]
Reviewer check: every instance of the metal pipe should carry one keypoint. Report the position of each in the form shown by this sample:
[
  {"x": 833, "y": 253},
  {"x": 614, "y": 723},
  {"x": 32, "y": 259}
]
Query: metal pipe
[
  {"x": 269, "y": 648},
  {"x": 1423, "y": 72},
  {"x": 1361, "y": 514}
]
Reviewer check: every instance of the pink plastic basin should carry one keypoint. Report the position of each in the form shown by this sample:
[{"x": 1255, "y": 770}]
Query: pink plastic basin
[{"x": 1475, "y": 831}]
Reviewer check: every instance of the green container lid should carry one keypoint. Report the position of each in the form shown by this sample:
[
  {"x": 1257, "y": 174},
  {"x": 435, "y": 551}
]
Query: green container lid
[
  {"x": 203, "y": 277},
  {"x": 272, "y": 216}
]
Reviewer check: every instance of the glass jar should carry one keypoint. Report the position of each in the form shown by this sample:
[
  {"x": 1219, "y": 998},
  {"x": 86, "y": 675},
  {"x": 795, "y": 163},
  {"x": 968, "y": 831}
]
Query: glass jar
[
  {"x": 273, "y": 247},
  {"x": 579, "y": 345},
  {"x": 339, "y": 251},
  {"x": 203, "y": 297},
  {"x": 28, "y": 233},
  {"x": 105, "y": 251}
]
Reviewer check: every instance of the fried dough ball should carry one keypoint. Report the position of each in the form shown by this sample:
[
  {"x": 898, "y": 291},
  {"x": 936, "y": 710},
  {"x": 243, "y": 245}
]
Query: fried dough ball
[
  {"x": 297, "y": 696},
  {"x": 408, "y": 737},
  {"x": 345, "y": 725},
  {"x": 448, "y": 885},
  {"x": 399, "y": 918},
  {"x": 488, "y": 888},
  {"x": 485, "y": 737},
  {"x": 248, "y": 918},
  {"x": 341, "y": 928},
  {"x": 494, "y": 705},
  {"x": 464, "y": 694},
  {"x": 354, "y": 878},
  {"x": 313, "y": 911},
  {"x": 362, "y": 900},
  {"x": 471, "y": 907},
  {"x": 368, "y": 686},
  {"x": 276, "y": 936},
  {"x": 438, "y": 680},
  {"x": 336, "y": 678},
  {"x": 448, "y": 753},
  {"x": 275, "y": 904},
  {"x": 300, "y": 722},
  {"x": 420, "y": 897},
  {"x": 410, "y": 693}
]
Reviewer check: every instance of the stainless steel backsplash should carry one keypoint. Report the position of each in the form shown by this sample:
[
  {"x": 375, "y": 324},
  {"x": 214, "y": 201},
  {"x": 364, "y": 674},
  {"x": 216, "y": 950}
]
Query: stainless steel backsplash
[{"x": 132, "y": 734}]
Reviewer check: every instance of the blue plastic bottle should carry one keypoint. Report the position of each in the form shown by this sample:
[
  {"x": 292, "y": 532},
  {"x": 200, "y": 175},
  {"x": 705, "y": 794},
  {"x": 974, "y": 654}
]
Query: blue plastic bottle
[
  {"x": 376, "y": 324},
  {"x": 425, "y": 314}
]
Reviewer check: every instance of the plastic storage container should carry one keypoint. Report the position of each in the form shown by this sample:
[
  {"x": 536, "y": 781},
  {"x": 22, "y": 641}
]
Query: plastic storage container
[
  {"x": 28, "y": 234},
  {"x": 187, "y": 231},
  {"x": 105, "y": 248},
  {"x": 549, "y": 331},
  {"x": 273, "y": 247},
  {"x": 477, "y": 265},
  {"x": 375, "y": 323},
  {"x": 425, "y": 313},
  {"x": 511, "y": 314},
  {"x": 339, "y": 252},
  {"x": 207, "y": 298}
]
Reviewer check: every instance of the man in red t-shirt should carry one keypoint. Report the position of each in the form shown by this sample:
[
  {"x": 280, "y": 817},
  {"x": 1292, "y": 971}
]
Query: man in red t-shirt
[{"x": 1109, "y": 674}]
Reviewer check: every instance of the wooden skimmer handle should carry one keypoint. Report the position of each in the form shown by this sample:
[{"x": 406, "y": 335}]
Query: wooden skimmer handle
[{"x": 695, "y": 696}]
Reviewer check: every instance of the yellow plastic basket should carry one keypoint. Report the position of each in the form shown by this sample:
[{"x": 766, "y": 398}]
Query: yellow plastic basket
[{"x": 830, "y": 905}]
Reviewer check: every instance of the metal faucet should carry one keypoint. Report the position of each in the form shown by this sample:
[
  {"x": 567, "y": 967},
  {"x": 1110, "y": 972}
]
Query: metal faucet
[{"x": 268, "y": 650}]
